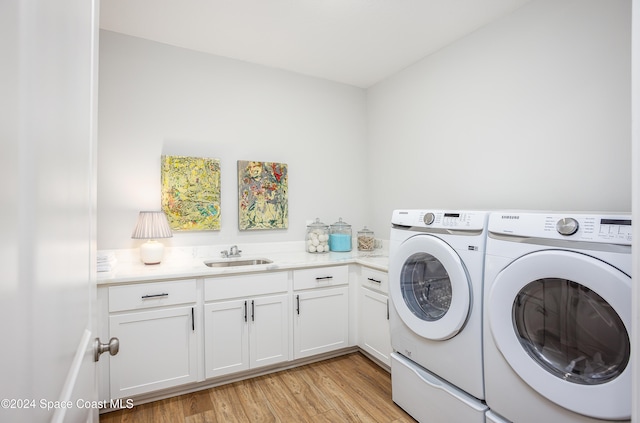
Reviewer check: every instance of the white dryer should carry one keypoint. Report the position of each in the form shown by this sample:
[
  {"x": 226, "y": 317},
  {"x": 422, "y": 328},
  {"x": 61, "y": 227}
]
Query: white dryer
[
  {"x": 435, "y": 289},
  {"x": 558, "y": 317}
]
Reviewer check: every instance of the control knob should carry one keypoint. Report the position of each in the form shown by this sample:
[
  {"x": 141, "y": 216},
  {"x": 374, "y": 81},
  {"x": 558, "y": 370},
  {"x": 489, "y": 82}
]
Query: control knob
[
  {"x": 567, "y": 226},
  {"x": 429, "y": 218}
]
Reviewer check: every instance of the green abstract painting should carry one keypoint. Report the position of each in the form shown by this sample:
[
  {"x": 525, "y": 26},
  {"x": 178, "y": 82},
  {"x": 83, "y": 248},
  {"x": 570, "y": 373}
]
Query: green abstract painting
[
  {"x": 191, "y": 193},
  {"x": 262, "y": 195}
]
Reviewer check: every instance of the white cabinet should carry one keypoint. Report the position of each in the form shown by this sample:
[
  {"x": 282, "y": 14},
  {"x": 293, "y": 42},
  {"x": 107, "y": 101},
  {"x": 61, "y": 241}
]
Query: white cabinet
[
  {"x": 321, "y": 301},
  {"x": 246, "y": 321},
  {"x": 373, "y": 328},
  {"x": 156, "y": 326},
  {"x": 185, "y": 331}
]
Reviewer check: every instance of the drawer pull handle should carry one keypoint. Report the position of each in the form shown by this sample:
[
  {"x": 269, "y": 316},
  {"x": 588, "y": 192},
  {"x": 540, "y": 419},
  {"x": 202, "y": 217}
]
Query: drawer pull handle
[
  {"x": 374, "y": 280},
  {"x": 164, "y": 294},
  {"x": 324, "y": 277}
]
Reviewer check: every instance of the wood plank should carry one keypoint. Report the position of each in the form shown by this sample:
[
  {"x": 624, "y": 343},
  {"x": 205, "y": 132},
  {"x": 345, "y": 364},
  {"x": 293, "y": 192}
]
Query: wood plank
[
  {"x": 196, "y": 403},
  {"x": 310, "y": 398},
  {"x": 253, "y": 401},
  {"x": 331, "y": 416},
  {"x": 143, "y": 414},
  {"x": 407, "y": 419},
  {"x": 167, "y": 411},
  {"x": 139, "y": 414},
  {"x": 355, "y": 382},
  {"x": 349, "y": 388},
  {"x": 226, "y": 404},
  {"x": 281, "y": 400},
  {"x": 350, "y": 411},
  {"x": 208, "y": 416},
  {"x": 377, "y": 377}
]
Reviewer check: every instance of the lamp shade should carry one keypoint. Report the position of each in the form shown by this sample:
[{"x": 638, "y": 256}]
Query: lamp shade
[{"x": 152, "y": 225}]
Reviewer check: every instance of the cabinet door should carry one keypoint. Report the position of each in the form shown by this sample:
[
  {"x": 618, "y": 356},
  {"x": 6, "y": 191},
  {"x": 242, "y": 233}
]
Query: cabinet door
[
  {"x": 157, "y": 350},
  {"x": 269, "y": 330},
  {"x": 226, "y": 342},
  {"x": 321, "y": 321},
  {"x": 374, "y": 325}
]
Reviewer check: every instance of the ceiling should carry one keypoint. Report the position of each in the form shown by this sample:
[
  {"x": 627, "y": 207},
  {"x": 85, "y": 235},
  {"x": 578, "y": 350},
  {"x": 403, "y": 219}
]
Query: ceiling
[{"x": 356, "y": 42}]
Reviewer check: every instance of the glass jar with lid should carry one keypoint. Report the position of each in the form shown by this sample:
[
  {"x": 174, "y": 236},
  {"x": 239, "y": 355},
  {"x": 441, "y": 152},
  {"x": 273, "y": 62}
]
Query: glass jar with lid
[
  {"x": 366, "y": 240},
  {"x": 317, "y": 237},
  {"x": 340, "y": 236}
]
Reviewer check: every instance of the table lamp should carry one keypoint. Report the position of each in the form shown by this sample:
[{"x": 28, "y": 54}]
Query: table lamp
[{"x": 151, "y": 226}]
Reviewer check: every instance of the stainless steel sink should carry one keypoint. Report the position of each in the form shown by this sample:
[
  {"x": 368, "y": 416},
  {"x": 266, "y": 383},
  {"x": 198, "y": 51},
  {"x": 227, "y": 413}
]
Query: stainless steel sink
[{"x": 232, "y": 262}]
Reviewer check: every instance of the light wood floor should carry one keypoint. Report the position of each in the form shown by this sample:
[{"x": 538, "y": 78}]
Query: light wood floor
[{"x": 349, "y": 388}]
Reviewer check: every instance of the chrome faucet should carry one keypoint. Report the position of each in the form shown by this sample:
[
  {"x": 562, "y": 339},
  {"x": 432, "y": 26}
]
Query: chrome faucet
[{"x": 233, "y": 252}]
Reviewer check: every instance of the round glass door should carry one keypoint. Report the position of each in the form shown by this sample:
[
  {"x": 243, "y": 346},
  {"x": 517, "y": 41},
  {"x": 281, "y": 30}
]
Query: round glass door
[
  {"x": 426, "y": 287},
  {"x": 429, "y": 287},
  {"x": 571, "y": 331},
  {"x": 561, "y": 321}
]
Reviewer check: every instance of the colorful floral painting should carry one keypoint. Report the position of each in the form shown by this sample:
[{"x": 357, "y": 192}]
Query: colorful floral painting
[
  {"x": 263, "y": 201},
  {"x": 191, "y": 193}
]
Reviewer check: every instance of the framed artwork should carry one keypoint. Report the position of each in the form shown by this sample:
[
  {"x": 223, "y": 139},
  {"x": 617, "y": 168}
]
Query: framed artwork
[
  {"x": 263, "y": 201},
  {"x": 191, "y": 193}
]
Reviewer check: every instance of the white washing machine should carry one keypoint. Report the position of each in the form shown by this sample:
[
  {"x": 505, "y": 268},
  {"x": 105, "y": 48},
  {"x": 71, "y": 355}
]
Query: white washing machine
[
  {"x": 558, "y": 317},
  {"x": 435, "y": 289},
  {"x": 492, "y": 417}
]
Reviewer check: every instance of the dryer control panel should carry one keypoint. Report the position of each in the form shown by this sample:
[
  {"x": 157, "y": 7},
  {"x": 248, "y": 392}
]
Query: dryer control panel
[
  {"x": 612, "y": 229},
  {"x": 440, "y": 219}
]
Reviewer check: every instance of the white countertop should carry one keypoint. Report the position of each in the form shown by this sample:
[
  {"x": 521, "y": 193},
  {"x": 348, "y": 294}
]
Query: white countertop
[{"x": 188, "y": 262}]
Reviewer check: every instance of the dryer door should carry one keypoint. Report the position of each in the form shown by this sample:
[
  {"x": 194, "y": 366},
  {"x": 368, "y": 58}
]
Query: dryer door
[
  {"x": 429, "y": 287},
  {"x": 561, "y": 320}
]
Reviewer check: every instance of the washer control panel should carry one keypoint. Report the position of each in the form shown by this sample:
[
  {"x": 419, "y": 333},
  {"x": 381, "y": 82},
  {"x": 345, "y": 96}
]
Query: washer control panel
[
  {"x": 440, "y": 219},
  {"x": 615, "y": 229}
]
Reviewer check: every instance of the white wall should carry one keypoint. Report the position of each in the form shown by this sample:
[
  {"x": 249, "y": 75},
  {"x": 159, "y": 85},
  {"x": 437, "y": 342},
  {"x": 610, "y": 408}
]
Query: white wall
[
  {"x": 156, "y": 99},
  {"x": 530, "y": 112}
]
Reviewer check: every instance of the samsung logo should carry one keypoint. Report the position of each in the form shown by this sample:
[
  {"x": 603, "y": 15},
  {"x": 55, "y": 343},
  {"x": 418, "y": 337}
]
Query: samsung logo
[{"x": 510, "y": 217}]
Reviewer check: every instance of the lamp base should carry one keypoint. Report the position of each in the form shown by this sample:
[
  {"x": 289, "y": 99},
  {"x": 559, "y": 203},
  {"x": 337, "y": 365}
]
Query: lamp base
[{"x": 151, "y": 252}]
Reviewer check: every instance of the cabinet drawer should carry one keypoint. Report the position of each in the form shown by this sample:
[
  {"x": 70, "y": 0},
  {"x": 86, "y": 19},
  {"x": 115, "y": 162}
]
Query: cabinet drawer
[
  {"x": 320, "y": 276},
  {"x": 375, "y": 279},
  {"x": 243, "y": 286},
  {"x": 146, "y": 295}
]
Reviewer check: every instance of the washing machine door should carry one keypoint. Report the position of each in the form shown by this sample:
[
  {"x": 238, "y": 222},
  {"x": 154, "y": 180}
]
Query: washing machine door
[
  {"x": 561, "y": 320},
  {"x": 429, "y": 287}
]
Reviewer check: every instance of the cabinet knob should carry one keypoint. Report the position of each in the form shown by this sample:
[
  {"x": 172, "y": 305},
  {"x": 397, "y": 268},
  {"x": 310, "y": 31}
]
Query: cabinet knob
[{"x": 98, "y": 347}]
